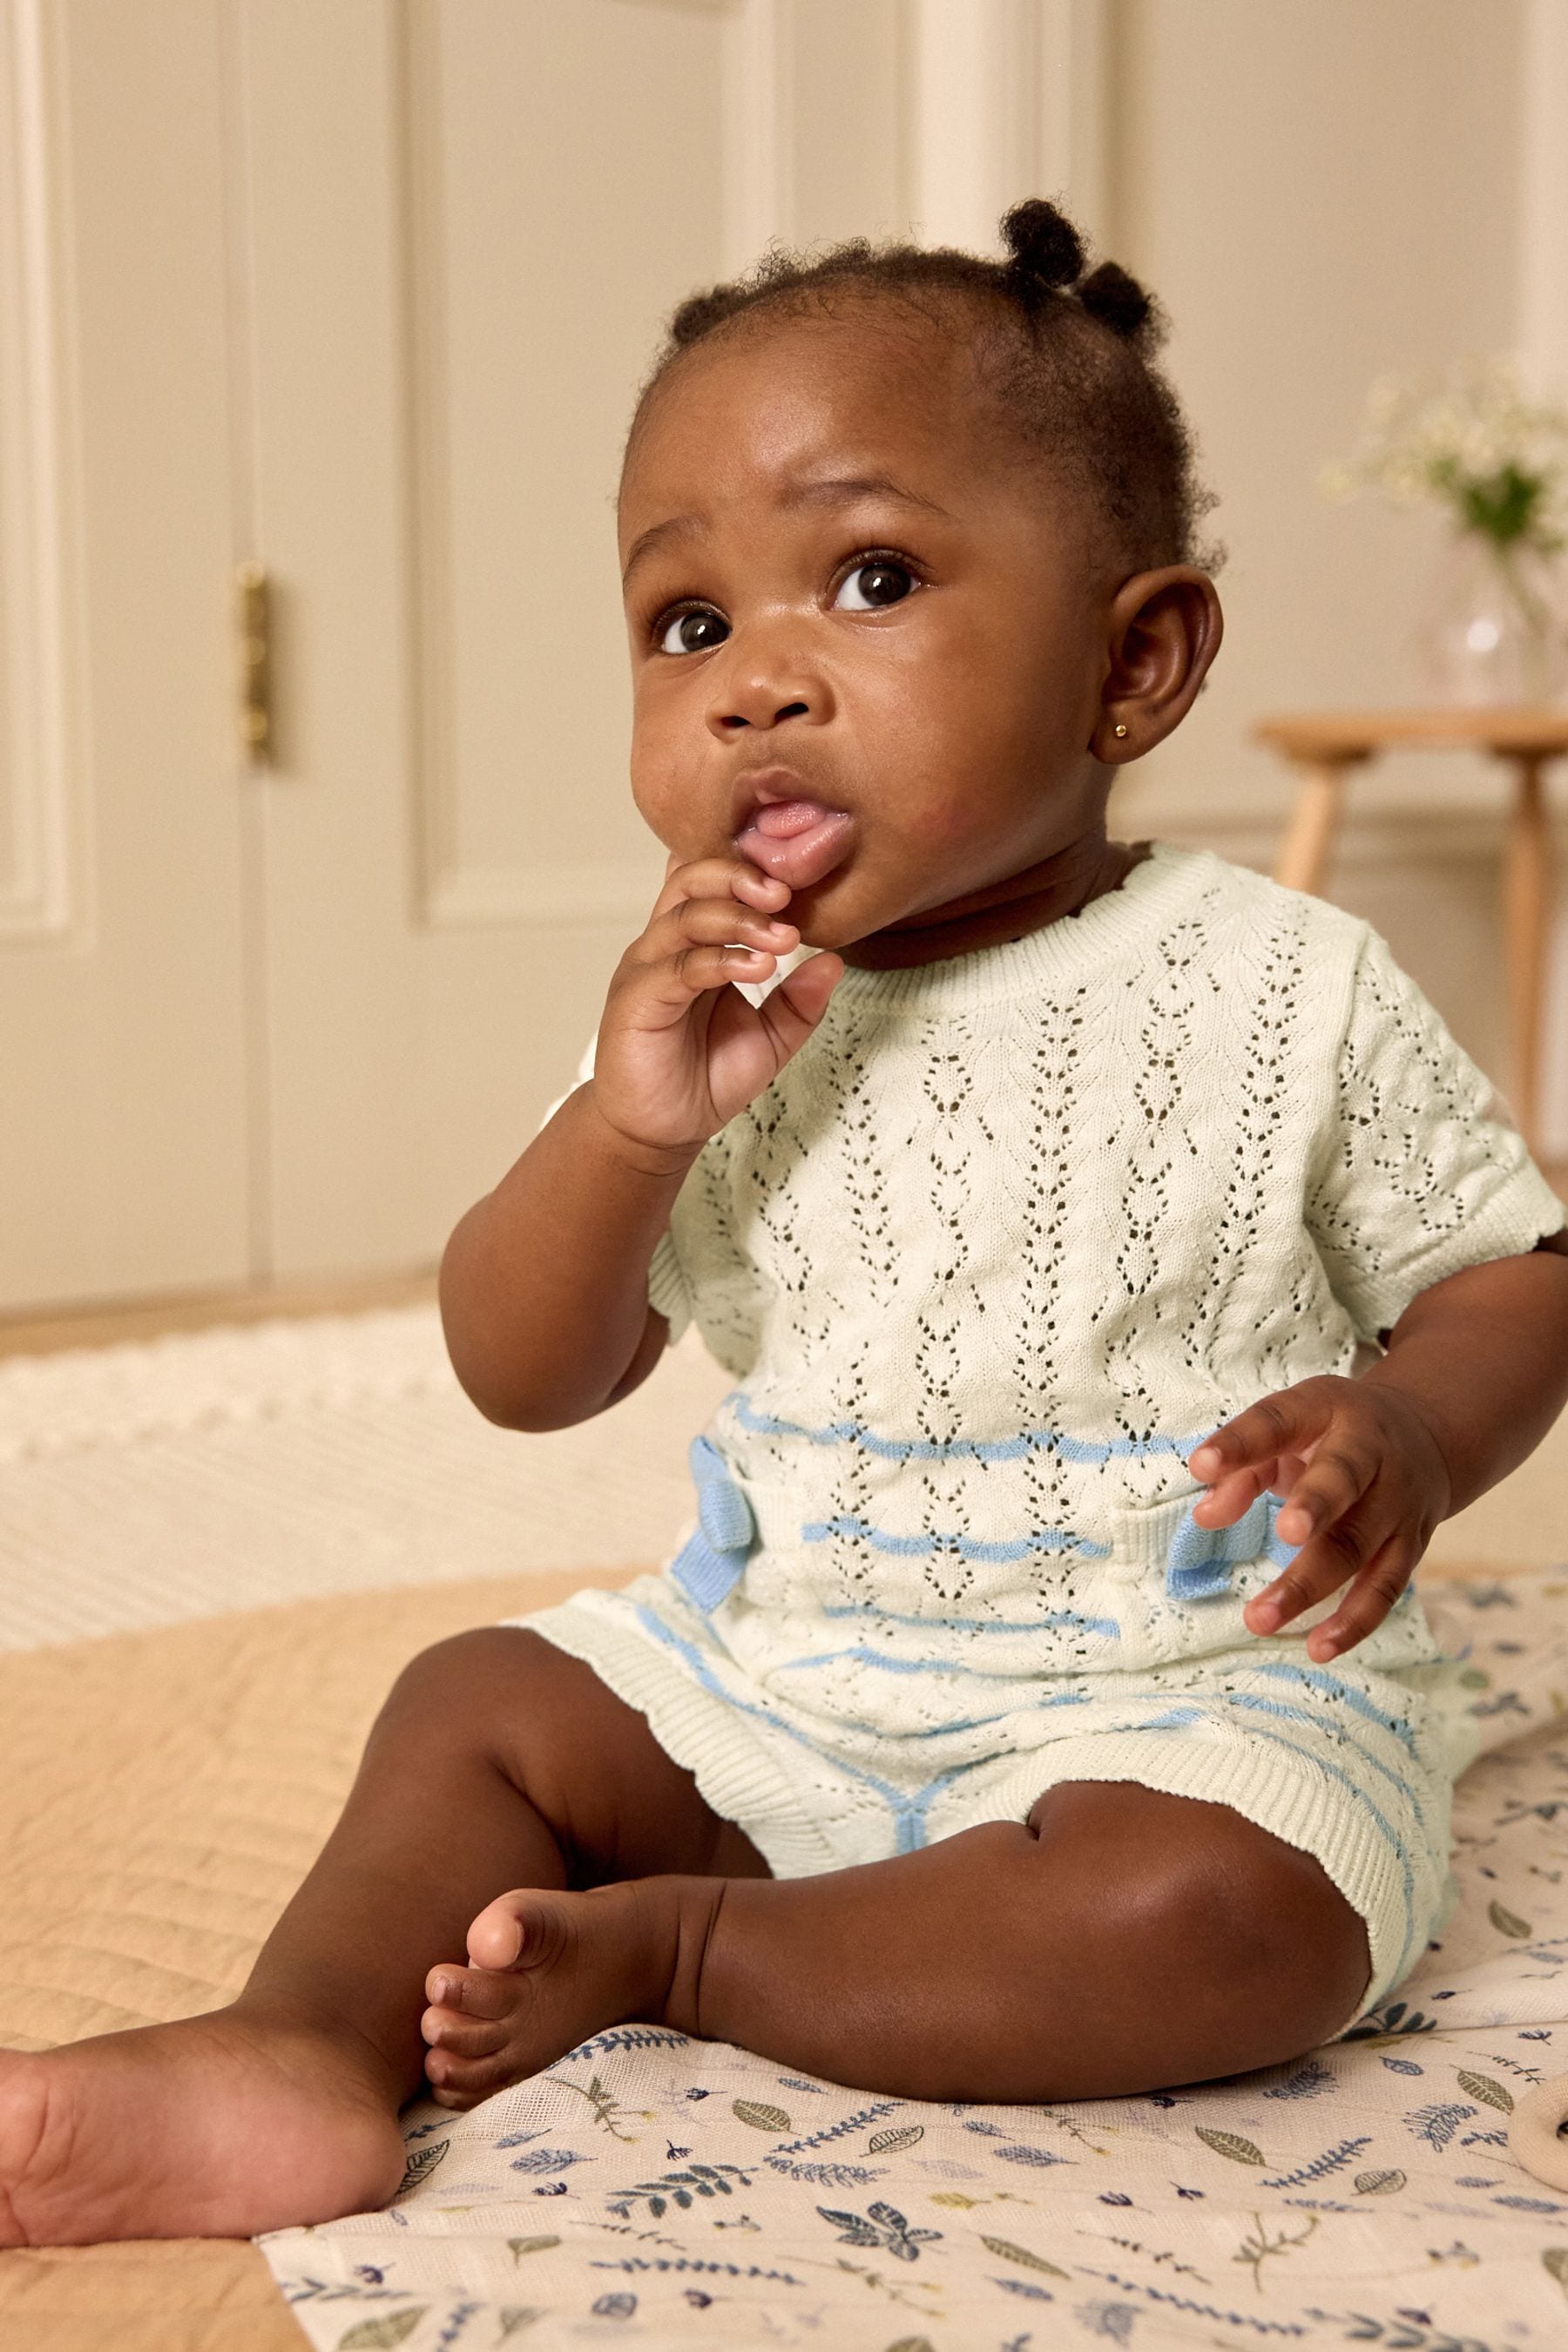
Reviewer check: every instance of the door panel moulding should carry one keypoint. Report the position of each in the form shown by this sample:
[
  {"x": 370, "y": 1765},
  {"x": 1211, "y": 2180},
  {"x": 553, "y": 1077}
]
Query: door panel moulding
[
  {"x": 757, "y": 131},
  {"x": 39, "y": 740},
  {"x": 1004, "y": 99},
  {"x": 453, "y": 892}
]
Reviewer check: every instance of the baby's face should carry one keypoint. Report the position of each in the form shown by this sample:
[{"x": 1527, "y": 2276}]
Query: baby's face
[{"x": 845, "y": 585}]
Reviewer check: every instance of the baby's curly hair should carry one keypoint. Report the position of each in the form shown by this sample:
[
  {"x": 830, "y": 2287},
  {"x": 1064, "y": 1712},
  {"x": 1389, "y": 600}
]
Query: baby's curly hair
[{"x": 1070, "y": 357}]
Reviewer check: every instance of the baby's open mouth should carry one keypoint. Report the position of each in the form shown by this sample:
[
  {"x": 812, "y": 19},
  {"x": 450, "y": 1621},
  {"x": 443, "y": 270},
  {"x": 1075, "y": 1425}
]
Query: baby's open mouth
[{"x": 800, "y": 840}]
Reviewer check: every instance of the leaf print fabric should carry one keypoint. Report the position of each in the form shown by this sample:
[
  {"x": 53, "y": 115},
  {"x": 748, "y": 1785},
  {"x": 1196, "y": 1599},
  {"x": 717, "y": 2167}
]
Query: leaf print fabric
[{"x": 664, "y": 2194}]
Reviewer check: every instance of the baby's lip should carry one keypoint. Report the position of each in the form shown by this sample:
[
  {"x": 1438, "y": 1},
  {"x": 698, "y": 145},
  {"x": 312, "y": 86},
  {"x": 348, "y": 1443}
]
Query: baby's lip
[{"x": 787, "y": 828}]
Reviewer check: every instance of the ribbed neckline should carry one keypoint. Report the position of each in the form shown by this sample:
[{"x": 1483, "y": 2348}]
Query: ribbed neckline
[{"x": 1063, "y": 950}]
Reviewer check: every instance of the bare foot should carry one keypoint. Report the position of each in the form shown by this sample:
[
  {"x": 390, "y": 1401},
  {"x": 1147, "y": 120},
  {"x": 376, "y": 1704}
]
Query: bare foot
[
  {"x": 219, "y": 2126},
  {"x": 547, "y": 1969}
]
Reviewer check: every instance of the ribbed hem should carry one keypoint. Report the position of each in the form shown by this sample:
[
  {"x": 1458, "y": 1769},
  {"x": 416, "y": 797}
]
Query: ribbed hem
[
  {"x": 666, "y": 1291},
  {"x": 699, "y": 1730},
  {"x": 1152, "y": 894},
  {"x": 1265, "y": 1786}
]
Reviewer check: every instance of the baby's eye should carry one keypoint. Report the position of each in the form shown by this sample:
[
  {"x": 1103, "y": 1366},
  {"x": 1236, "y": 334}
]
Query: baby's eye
[
  {"x": 693, "y": 631},
  {"x": 872, "y": 585}
]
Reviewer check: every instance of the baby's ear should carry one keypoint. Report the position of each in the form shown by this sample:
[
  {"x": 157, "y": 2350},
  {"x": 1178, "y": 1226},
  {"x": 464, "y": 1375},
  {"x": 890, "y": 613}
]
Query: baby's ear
[{"x": 1164, "y": 630}]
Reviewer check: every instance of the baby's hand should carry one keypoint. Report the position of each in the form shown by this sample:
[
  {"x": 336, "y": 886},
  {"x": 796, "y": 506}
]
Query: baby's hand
[
  {"x": 1365, "y": 1482},
  {"x": 679, "y": 1050}
]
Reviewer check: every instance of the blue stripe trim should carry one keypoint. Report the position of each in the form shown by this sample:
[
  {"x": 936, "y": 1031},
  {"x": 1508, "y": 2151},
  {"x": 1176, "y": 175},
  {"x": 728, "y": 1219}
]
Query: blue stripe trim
[
  {"x": 962, "y": 1449},
  {"x": 1315, "y": 1723},
  {"x": 863, "y": 1655},
  {"x": 909, "y": 1811},
  {"x": 1321, "y": 1679},
  {"x": 920, "y": 1547},
  {"x": 1058, "y": 1619}
]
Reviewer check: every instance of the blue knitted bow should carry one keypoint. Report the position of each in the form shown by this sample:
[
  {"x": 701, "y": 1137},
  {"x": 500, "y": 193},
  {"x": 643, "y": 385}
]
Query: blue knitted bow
[
  {"x": 709, "y": 1565},
  {"x": 1199, "y": 1563}
]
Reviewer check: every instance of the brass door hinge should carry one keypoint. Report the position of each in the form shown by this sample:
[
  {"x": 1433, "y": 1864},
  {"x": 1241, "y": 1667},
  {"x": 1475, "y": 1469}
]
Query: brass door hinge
[{"x": 253, "y": 615}]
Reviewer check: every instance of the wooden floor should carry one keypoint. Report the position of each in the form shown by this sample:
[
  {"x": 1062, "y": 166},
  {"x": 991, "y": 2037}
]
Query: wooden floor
[{"x": 107, "y": 1323}]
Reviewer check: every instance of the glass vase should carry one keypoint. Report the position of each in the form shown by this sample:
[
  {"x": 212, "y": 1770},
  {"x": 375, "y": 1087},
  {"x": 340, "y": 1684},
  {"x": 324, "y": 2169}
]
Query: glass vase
[{"x": 1496, "y": 626}]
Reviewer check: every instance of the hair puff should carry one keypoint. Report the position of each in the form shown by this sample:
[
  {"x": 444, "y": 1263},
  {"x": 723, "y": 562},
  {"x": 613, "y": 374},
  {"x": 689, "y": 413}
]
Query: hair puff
[
  {"x": 1118, "y": 301},
  {"x": 1047, "y": 250}
]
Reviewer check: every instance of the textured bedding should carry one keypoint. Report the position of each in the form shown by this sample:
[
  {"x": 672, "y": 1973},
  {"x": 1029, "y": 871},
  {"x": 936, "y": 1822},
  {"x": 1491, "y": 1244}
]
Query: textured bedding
[{"x": 161, "y": 1794}]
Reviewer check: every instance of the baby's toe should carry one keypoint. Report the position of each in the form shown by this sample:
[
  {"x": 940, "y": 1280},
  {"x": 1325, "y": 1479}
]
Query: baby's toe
[
  {"x": 464, "y": 2037},
  {"x": 456, "y": 2082},
  {"x": 475, "y": 1992},
  {"x": 496, "y": 1937}
]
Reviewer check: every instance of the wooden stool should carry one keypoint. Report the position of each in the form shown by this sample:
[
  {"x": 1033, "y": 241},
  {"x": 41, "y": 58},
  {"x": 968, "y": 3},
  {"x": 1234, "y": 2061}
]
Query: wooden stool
[{"x": 1326, "y": 745}]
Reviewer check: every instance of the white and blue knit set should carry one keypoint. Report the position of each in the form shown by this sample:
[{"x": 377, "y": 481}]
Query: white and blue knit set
[{"x": 1008, "y": 1237}]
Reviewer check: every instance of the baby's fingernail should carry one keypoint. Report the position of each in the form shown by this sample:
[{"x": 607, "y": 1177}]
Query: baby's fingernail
[
  {"x": 1266, "y": 1613},
  {"x": 441, "y": 1993},
  {"x": 1204, "y": 1460}
]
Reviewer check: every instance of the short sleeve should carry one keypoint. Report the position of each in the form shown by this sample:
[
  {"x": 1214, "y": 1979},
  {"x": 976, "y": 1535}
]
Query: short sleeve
[
  {"x": 667, "y": 1289},
  {"x": 1419, "y": 1172}
]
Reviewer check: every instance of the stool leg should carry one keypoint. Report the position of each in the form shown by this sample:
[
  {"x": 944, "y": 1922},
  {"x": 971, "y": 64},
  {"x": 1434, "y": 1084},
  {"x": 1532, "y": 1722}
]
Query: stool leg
[
  {"x": 1303, "y": 857},
  {"x": 1527, "y": 908}
]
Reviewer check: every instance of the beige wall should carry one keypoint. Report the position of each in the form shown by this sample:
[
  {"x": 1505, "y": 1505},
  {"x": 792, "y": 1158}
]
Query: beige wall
[{"x": 1321, "y": 195}]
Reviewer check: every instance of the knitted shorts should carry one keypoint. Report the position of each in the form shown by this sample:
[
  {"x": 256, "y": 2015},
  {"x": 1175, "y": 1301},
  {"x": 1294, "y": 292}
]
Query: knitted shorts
[{"x": 1353, "y": 1762}]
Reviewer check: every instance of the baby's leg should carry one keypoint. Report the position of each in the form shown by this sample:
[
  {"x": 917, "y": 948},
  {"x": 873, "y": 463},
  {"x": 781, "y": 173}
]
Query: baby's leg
[
  {"x": 497, "y": 1761},
  {"x": 1121, "y": 1939}
]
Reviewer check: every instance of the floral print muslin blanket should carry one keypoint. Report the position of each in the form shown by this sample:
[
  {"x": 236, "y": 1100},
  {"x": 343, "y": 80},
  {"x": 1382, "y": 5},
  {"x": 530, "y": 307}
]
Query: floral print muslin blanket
[{"x": 664, "y": 2194}]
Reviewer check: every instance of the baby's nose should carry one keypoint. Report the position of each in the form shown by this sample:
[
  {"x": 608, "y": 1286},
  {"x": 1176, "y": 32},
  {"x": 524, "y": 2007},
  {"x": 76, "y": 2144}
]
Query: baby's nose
[
  {"x": 766, "y": 673},
  {"x": 786, "y": 710}
]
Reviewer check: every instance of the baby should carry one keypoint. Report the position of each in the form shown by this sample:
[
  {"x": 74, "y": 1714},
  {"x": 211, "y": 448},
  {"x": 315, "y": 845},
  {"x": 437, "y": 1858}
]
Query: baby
[{"x": 1121, "y": 1272}]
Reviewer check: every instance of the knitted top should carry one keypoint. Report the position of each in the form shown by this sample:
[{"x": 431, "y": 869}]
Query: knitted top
[{"x": 1014, "y": 1230}]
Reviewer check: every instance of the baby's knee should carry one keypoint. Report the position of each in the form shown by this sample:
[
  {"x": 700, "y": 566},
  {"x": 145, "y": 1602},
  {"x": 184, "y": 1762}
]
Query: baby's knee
[
  {"x": 470, "y": 1675},
  {"x": 1231, "y": 1921}
]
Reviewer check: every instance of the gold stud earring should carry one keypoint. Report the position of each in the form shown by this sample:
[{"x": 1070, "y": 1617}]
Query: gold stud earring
[{"x": 1119, "y": 728}]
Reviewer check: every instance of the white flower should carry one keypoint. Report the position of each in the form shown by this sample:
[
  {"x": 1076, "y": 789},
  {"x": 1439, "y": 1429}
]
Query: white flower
[{"x": 1474, "y": 440}]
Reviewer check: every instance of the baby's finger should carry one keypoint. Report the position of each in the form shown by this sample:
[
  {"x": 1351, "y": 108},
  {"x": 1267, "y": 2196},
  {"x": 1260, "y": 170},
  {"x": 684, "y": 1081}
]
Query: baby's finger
[
  {"x": 794, "y": 1009},
  {"x": 1287, "y": 1423},
  {"x": 721, "y": 878},
  {"x": 1235, "y": 1494},
  {"x": 688, "y": 969},
  {"x": 1382, "y": 1580},
  {"x": 705, "y": 967},
  {"x": 1341, "y": 1469},
  {"x": 1337, "y": 1553},
  {"x": 718, "y": 922}
]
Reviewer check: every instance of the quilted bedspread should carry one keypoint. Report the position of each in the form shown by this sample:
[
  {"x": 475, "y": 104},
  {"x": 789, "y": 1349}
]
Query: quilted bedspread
[{"x": 161, "y": 1793}]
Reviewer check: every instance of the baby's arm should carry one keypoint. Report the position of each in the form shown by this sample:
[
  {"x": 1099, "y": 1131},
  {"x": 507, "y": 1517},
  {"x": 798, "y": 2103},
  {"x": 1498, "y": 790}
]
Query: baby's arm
[
  {"x": 1475, "y": 1373},
  {"x": 544, "y": 1281}
]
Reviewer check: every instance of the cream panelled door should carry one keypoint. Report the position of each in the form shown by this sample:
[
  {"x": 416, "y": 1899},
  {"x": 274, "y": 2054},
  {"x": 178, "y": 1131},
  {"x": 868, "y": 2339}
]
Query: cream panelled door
[
  {"x": 464, "y": 223},
  {"x": 122, "y": 1092},
  {"x": 363, "y": 290}
]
